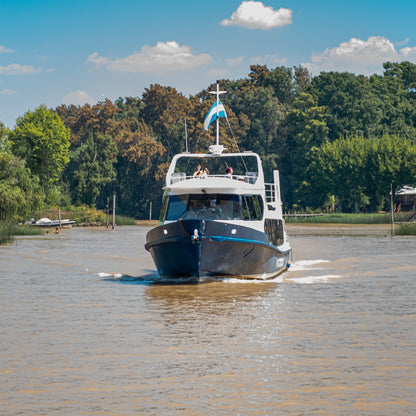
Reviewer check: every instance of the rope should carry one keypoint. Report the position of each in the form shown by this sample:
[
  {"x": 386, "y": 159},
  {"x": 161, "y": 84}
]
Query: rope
[{"x": 235, "y": 141}]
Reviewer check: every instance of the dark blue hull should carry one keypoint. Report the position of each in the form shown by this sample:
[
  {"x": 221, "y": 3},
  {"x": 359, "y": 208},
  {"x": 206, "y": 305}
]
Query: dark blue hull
[{"x": 198, "y": 249}]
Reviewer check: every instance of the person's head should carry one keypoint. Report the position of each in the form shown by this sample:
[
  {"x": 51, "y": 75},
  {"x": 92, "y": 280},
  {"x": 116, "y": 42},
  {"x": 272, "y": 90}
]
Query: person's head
[{"x": 229, "y": 170}]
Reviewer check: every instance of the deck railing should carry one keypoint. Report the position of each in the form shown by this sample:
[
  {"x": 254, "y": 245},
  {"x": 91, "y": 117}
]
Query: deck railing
[{"x": 249, "y": 177}]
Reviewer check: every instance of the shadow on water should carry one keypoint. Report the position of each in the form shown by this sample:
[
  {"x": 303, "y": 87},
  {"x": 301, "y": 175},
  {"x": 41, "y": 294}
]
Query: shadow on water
[{"x": 153, "y": 278}]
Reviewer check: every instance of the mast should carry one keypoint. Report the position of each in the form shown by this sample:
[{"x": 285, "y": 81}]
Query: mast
[{"x": 218, "y": 93}]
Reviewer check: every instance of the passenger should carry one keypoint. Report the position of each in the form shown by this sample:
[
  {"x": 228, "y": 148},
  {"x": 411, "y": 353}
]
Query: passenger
[
  {"x": 229, "y": 172},
  {"x": 199, "y": 170},
  {"x": 205, "y": 173}
]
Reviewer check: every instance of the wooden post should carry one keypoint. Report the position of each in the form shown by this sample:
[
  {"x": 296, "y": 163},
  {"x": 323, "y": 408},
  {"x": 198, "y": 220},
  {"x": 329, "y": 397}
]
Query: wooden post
[
  {"x": 391, "y": 209},
  {"x": 114, "y": 211},
  {"x": 150, "y": 213},
  {"x": 59, "y": 216},
  {"x": 107, "y": 208}
]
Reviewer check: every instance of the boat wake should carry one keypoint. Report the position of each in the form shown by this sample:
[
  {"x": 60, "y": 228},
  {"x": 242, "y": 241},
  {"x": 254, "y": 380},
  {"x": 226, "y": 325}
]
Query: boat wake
[
  {"x": 305, "y": 265},
  {"x": 307, "y": 280},
  {"x": 277, "y": 279},
  {"x": 309, "y": 266}
]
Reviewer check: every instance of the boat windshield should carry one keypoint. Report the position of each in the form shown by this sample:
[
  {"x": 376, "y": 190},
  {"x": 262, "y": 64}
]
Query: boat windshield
[{"x": 212, "y": 207}]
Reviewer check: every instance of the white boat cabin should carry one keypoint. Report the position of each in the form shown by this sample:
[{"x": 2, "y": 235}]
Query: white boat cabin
[{"x": 202, "y": 186}]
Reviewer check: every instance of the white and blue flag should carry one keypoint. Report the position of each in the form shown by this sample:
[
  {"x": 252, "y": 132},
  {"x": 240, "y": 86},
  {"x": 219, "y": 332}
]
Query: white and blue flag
[{"x": 213, "y": 112}]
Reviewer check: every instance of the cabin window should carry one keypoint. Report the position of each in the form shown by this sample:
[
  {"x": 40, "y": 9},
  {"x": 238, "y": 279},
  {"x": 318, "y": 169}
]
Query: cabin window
[
  {"x": 212, "y": 207},
  {"x": 176, "y": 207},
  {"x": 252, "y": 207}
]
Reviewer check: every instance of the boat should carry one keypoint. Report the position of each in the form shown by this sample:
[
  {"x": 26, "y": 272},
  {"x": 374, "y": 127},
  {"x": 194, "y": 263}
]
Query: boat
[
  {"x": 46, "y": 222},
  {"x": 219, "y": 218}
]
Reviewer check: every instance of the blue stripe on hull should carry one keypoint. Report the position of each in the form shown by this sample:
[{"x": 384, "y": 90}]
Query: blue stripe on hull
[{"x": 214, "y": 253}]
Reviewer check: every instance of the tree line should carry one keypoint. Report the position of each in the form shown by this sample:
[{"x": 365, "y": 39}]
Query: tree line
[{"x": 337, "y": 138}]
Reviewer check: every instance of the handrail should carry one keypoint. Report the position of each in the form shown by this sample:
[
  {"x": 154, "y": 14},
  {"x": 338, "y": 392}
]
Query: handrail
[{"x": 175, "y": 177}]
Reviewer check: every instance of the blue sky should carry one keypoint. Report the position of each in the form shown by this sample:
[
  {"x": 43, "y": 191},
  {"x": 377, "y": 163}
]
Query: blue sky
[{"x": 78, "y": 51}]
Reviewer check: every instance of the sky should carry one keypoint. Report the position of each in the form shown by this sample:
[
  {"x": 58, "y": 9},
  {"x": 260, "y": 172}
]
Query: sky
[{"x": 55, "y": 52}]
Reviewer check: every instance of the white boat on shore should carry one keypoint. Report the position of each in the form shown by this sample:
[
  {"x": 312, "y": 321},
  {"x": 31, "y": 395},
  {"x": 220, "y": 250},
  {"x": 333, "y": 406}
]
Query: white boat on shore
[
  {"x": 216, "y": 221},
  {"x": 46, "y": 222}
]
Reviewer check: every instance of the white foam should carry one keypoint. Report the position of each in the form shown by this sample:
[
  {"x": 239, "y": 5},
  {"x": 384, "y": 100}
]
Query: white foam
[
  {"x": 307, "y": 280},
  {"x": 305, "y": 264},
  {"x": 241, "y": 280},
  {"x": 103, "y": 274}
]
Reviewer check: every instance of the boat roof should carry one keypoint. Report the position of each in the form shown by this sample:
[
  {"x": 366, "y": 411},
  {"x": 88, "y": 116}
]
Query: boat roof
[{"x": 246, "y": 166}]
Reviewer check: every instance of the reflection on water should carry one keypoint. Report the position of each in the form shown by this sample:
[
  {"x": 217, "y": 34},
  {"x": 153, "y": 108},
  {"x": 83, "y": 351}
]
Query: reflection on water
[{"x": 87, "y": 329}]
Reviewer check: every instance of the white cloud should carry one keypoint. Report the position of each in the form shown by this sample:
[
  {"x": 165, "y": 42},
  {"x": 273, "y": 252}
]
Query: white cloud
[
  {"x": 219, "y": 72},
  {"x": 255, "y": 15},
  {"x": 403, "y": 42},
  {"x": 8, "y": 91},
  {"x": 165, "y": 56},
  {"x": 235, "y": 61},
  {"x": 78, "y": 98},
  {"x": 3, "y": 49},
  {"x": 360, "y": 56},
  {"x": 269, "y": 60},
  {"x": 17, "y": 69}
]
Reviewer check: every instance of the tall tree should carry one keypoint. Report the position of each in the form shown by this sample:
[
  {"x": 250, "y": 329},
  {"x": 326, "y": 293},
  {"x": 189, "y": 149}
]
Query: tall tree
[
  {"x": 41, "y": 139},
  {"x": 91, "y": 167},
  {"x": 140, "y": 171},
  {"x": 339, "y": 168},
  {"x": 352, "y": 107},
  {"x": 20, "y": 193},
  {"x": 306, "y": 129},
  {"x": 165, "y": 111}
]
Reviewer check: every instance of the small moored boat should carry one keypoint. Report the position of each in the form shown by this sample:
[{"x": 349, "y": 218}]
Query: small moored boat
[
  {"x": 46, "y": 222},
  {"x": 219, "y": 218}
]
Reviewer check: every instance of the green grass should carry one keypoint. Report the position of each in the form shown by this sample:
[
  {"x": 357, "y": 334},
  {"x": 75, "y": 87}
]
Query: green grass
[
  {"x": 379, "y": 218},
  {"x": 122, "y": 220},
  {"x": 84, "y": 214},
  {"x": 8, "y": 231},
  {"x": 405, "y": 229}
]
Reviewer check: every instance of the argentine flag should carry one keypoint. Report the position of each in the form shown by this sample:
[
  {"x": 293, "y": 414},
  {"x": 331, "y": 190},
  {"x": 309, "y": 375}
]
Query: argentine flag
[{"x": 212, "y": 114}]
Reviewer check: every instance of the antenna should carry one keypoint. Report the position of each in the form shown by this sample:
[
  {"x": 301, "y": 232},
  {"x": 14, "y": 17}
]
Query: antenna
[{"x": 186, "y": 138}]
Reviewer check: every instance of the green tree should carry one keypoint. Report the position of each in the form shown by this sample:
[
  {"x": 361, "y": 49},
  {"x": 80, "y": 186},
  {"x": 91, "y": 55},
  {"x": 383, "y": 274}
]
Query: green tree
[
  {"x": 99, "y": 119},
  {"x": 261, "y": 118},
  {"x": 339, "y": 168},
  {"x": 41, "y": 139},
  {"x": 164, "y": 112},
  {"x": 140, "y": 171},
  {"x": 390, "y": 160},
  {"x": 4, "y": 134},
  {"x": 91, "y": 168},
  {"x": 19, "y": 192},
  {"x": 306, "y": 129},
  {"x": 352, "y": 107}
]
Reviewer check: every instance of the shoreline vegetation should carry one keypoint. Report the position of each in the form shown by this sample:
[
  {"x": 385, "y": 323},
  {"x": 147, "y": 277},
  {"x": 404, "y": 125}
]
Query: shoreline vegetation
[{"x": 96, "y": 218}]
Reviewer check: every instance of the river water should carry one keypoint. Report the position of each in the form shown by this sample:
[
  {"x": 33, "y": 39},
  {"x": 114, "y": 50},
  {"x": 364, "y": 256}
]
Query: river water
[{"x": 86, "y": 331}]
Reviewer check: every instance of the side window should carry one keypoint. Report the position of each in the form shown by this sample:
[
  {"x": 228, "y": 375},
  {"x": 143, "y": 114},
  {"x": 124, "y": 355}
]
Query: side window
[
  {"x": 258, "y": 204},
  {"x": 252, "y": 207},
  {"x": 176, "y": 207},
  {"x": 164, "y": 207}
]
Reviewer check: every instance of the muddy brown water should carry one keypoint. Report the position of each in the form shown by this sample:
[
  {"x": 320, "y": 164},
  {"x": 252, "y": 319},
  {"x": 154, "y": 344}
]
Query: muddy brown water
[{"x": 85, "y": 329}]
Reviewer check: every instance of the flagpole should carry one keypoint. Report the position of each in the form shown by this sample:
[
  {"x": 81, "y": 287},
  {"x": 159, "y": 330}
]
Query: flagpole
[{"x": 218, "y": 114}]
